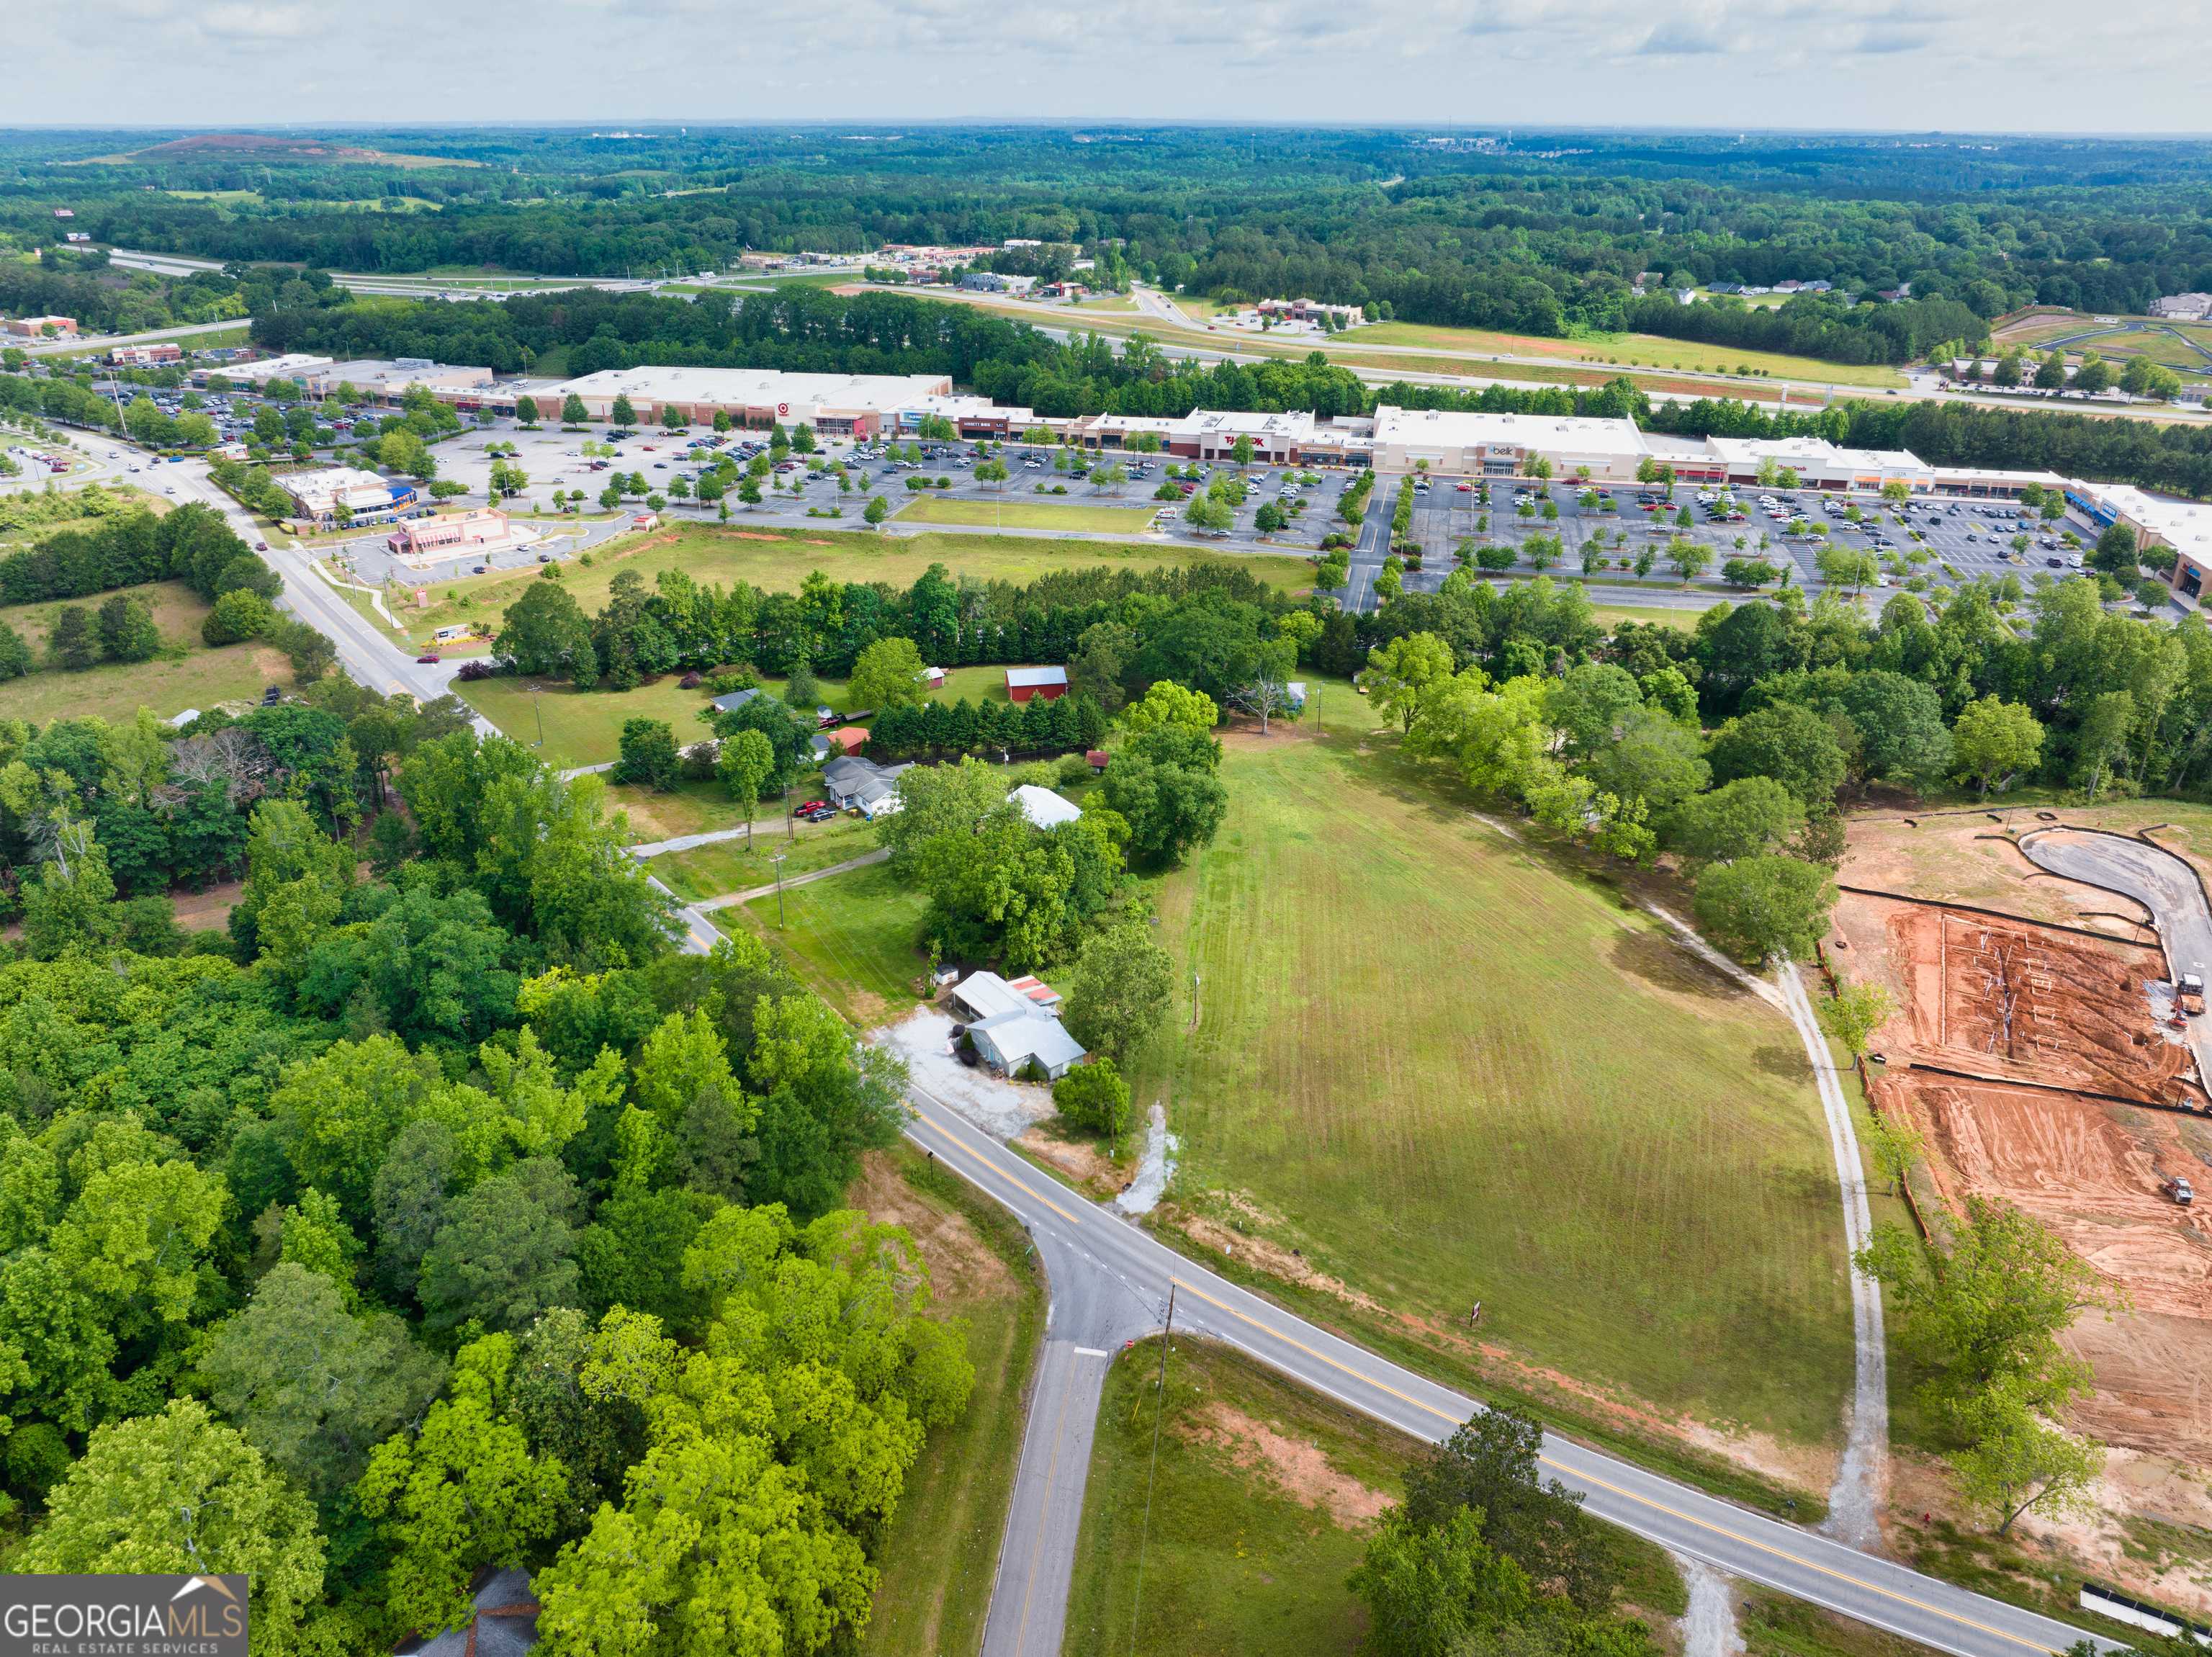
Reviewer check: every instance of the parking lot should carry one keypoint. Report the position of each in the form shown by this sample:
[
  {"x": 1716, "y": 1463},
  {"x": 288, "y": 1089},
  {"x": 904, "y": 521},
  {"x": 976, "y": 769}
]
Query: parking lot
[{"x": 1929, "y": 544}]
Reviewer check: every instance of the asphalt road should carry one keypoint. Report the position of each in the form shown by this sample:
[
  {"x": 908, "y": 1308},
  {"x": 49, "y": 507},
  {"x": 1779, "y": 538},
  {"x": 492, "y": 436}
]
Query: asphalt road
[{"x": 2155, "y": 877}]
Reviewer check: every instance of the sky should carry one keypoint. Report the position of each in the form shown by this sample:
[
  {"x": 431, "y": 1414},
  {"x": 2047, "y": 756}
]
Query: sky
[{"x": 1920, "y": 65}]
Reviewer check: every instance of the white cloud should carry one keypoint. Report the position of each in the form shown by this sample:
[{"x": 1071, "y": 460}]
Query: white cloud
[{"x": 1911, "y": 64}]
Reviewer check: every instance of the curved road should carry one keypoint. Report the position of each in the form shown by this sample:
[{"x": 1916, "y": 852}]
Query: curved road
[{"x": 1110, "y": 1281}]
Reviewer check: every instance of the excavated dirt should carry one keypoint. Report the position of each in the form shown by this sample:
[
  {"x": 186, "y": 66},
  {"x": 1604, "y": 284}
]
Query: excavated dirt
[
  {"x": 1303, "y": 1472},
  {"x": 2009, "y": 1001}
]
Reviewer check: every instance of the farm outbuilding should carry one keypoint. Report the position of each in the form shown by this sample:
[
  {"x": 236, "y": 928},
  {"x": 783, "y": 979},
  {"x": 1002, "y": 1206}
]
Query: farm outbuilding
[{"x": 1023, "y": 683}]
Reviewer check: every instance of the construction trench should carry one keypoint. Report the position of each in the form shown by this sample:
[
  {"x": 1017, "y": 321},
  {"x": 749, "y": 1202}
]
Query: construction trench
[{"x": 2037, "y": 1062}]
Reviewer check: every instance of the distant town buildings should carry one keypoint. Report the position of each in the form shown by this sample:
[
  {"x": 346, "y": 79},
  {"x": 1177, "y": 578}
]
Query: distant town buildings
[
  {"x": 2189, "y": 307},
  {"x": 41, "y": 327}
]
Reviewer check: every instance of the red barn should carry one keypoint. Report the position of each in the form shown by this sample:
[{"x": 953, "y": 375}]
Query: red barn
[{"x": 1023, "y": 683}]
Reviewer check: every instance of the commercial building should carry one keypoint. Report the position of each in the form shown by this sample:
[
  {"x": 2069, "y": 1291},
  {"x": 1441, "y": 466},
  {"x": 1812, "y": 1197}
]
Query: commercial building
[
  {"x": 368, "y": 498},
  {"x": 2184, "y": 527},
  {"x": 1818, "y": 463},
  {"x": 2194, "y": 307},
  {"x": 303, "y": 368},
  {"x": 1481, "y": 445},
  {"x": 37, "y": 327},
  {"x": 387, "y": 381},
  {"x": 141, "y": 357},
  {"x": 478, "y": 531},
  {"x": 835, "y": 405}
]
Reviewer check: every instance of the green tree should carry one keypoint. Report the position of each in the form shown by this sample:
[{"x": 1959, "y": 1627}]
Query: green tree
[
  {"x": 313, "y": 1386},
  {"x": 1758, "y": 908},
  {"x": 463, "y": 1492},
  {"x": 1993, "y": 739},
  {"x": 178, "y": 1493},
  {"x": 525, "y": 410},
  {"x": 887, "y": 675},
  {"x": 1853, "y": 1013},
  {"x": 127, "y": 632},
  {"x": 1398, "y": 671},
  {"x": 546, "y": 632},
  {"x": 573, "y": 412},
  {"x": 73, "y": 645},
  {"x": 1787, "y": 741},
  {"x": 2102, "y": 740},
  {"x": 1745, "y": 818},
  {"x": 876, "y": 511},
  {"x": 1166, "y": 703},
  {"x": 745, "y": 764},
  {"x": 1169, "y": 810},
  {"x": 1095, "y": 1098},
  {"x": 505, "y": 1253},
  {"x": 622, "y": 413},
  {"x": 649, "y": 755},
  {"x": 1895, "y": 1145},
  {"x": 1490, "y": 1470},
  {"x": 1122, "y": 985},
  {"x": 2018, "y": 1463}
]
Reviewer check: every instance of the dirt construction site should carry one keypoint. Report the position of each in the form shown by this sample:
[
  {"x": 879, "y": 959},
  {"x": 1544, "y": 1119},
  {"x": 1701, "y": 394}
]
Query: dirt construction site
[{"x": 2037, "y": 1046}]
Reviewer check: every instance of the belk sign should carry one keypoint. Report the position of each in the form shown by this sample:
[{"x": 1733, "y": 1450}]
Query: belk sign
[{"x": 123, "y": 1616}]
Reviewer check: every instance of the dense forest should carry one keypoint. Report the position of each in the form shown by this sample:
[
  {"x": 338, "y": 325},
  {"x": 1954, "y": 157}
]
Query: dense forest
[{"x": 1463, "y": 231}]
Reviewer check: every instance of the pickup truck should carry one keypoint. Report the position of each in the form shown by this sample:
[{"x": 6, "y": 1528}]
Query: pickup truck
[
  {"x": 2177, "y": 1190},
  {"x": 2188, "y": 994}
]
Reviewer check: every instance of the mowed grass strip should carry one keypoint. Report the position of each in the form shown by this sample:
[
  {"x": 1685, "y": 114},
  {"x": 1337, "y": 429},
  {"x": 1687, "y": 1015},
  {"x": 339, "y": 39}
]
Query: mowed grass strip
[
  {"x": 851, "y": 937},
  {"x": 1018, "y": 514},
  {"x": 938, "y": 1555},
  {"x": 778, "y": 560},
  {"x": 1451, "y": 1072},
  {"x": 1626, "y": 349},
  {"x": 1235, "y": 1560}
]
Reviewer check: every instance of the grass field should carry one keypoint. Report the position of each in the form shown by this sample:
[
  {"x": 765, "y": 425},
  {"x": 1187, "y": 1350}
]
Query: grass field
[
  {"x": 1246, "y": 1551},
  {"x": 200, "y": 678},
  {"x": 727, "y": 866},
  {"x": 1018, "y": 514},
  {"x": 778, "y": 560},
  {"x": 1629, "y": 349},
  {"x": 940, "y": 1555},
  {"x": 851, "y": 937},
  {"x": 1448, "y": 1072},
  {"x": 1608, "y": 615}
]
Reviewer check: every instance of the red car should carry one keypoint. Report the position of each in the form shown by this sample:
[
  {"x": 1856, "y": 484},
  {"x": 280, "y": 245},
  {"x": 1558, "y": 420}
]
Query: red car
[
  {"x": 813, "y": 805},
  {"x": 429, "y": 661},
  {"x": 1467, "y": 488}
]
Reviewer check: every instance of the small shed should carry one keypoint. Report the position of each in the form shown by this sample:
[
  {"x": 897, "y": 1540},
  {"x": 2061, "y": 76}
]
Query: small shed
[
  {"x": 733, "y": 700},
  {"x": 1042, "y": 808},
  {"x": 934, "y": 678}
]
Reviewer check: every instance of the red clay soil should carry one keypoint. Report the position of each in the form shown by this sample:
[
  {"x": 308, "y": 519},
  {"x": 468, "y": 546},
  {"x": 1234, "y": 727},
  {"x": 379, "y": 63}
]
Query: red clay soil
[
  {"x": 2091, "y": 1172},
  {"x": 2016, "y": 1002}
]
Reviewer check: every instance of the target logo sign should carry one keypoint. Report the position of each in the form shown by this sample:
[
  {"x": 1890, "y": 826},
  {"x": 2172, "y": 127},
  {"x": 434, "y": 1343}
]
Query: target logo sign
[{"x": 783, "y": 408}]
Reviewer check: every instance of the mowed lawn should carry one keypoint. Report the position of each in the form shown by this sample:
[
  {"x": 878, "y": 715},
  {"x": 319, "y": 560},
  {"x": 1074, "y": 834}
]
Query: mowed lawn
[
  {"x": 1017, "y": 513},
  {"x": 1631, "y": 350},
  {"x": 1261, "y": 1506},
  {"x": 938, "y": 1555},
  {"x": 778, "y": 560},
  {"x": 851, "y": 937},
  {"x": 1451, "y": 1072}
]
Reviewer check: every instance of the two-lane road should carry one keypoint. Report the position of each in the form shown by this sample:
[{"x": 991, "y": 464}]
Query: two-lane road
[{"x": 1111, "y": 1280}]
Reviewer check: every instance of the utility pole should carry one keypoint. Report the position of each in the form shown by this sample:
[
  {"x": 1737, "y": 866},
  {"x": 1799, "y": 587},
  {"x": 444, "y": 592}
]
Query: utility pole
[{"x": 778, "y": 861}]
